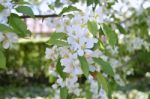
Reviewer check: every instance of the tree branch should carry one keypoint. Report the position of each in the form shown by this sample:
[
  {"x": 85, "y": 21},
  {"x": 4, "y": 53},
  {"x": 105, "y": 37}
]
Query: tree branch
[{"x": 39, "y": 16}]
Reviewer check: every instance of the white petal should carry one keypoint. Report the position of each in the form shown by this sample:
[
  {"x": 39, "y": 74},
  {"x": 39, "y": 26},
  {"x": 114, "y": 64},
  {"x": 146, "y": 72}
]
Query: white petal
[
  {"x": 67, "y": 69},
  {"x": 6, "y": 44},
  {"x": 80, "y": 52},
  {"x": 1, "y": 37},
  {"x": 89, "y": 44}
]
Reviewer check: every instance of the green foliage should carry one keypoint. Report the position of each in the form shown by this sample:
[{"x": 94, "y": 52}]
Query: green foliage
[
  {"x": 18, "y": 25},
  {"x": 28, "y": 55},
  {"x": 92, "y": 2},
  {"x": 58, "y": 39},
  {"x": 88, "y": 92},
  {"x": 68, "y": 9},
  {"x": 63, "y": 93},
  {"x": 84, "y": 65},
  {"x": 92, "y": 26},
  {"x": 102, "y": 82},
  {"x": 59, "y": 70},
  {"x": 1, "y": 7},
  {"x": 4, "y": 28},
  {"x": 99, "y": 45},
  {"x": 2, "y": 60},
  {"x": 121, "y": 29},
  {"x": 111, "y": 35},
  {"x": 25, "y": 10},
  {"x": 105, "y": 66}
]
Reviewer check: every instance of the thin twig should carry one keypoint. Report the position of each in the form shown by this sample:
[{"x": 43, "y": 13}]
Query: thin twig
[{"x": 40, "y": 16}]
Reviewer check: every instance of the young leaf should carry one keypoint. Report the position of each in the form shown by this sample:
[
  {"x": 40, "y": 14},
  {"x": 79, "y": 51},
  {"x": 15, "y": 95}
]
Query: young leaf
[
  {"x": 18, "y": 25},
  {"x": 63, "y": 93},
  {"x": 89, "y": 2},
  {"x": 92, "y": 26},
  {"x": 1, "y": 7},
  {"x": 21, "y": 2},
  {"x": 88, "y": 92},
  {"x": 51, "y": 6},
  {"x": 99, "y": 45},
  {"x": 111, "y": 35},
  {"x": 121, "y": 29},
  {"x": 69, "y": 9},
  {"x": 84, "y": 65},
  {"x": 4, "y": 28},
  {"x": 102, "y": 82},
  {"x": 59, "y": 70},
  {"x": 58, "y": 35},
  {"x": 58, "y": 39},
  {"x": 2, "y": 60},
  {"x": 105, "y": 66},
  {"x": 25, "y": 10}
]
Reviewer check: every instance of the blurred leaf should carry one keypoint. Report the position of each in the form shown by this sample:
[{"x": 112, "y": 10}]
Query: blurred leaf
[
  {"x": 121, "y": 29},
  {"x": 69, "y": 9},
  {"x": 25, "y": 10},
  {"x": 18, "y": 25},
  {"x": 59, "y": 70},
  {"x": 4, "y": 28},
  {"x": 102, "y": 82},
  {"x": 51, "y": 6},
  {"x": 111, "y": 35},
  {"x": 84, "y": 65},
  {"x": 2, "y": 60},
  {"x": 105, "y": 66},
  {"x": 100, "y": 45},
  {"x": 92, "y": 26},
  {"x": 1, "y": 7},
  {"x": 90, "y": 2},
  {"x": 88, "y": 92},
  {"x": 58, "y": 39},
  {"x": 58, "y": 35},
  {"x": 20, "y": 2},
  {"x": 63, "y": 93}
]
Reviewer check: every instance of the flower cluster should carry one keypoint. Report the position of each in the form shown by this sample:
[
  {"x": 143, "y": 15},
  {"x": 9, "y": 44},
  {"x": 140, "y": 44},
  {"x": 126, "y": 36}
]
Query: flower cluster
[
  {"x": 6, "y": 10},
  {"x": 80, "y": 43},
  {"x": 6, "y": 38}
]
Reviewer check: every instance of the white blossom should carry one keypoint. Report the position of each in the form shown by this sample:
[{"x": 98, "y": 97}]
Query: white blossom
[
  {"x": 7, "y": 39},
  {"x": 51, "y": 53}
]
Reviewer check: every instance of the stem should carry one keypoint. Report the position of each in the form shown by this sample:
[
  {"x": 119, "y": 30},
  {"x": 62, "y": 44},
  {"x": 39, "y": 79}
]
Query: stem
[{"x": 40, "y": 16}]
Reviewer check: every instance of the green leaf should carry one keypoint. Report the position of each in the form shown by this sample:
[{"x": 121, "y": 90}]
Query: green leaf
[
  {"x": 88, "y": 92},
  {"x": 88, "y": 95},
  {"x": 121, "y": 29},
  {"x": 69, "y": 9},
  {"x": 1, "y": 7},
  {"x": 105, "y": 66},
  {"x": 4, "y": 28},
  {"x": 58, "y": 35},
  {"x": 18, "y": 25},
  {"x": 84, "y": 65},
  {"x": 51, "y": 6},
  {"x": 58, "y": 39},
  {"x": 20, "y": 2},
  {"x": 59, "y": 70},
  {"x": 111, "y": 35},
  {"x": 92, "y": 26},
  {"x": 102, "y": 82},
  {"x": 99, "y": 45},
  {"x": 63, "y": 93},
  {"x": 2, "y": 60},
  {"x": 92, "y": 2},
  {"x": 25, "y": 10}
]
